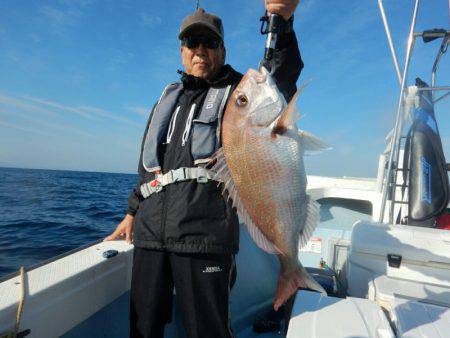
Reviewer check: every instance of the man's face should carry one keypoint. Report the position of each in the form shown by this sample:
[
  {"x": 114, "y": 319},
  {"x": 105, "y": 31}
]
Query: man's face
[{"x": 200, "y": 58}]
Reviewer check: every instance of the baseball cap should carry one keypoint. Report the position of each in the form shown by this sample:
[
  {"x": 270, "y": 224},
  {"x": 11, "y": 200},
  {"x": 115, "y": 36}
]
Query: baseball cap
[{"x": 200, "y": 18}]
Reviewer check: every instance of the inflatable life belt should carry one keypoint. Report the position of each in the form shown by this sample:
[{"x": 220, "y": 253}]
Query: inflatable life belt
[{"x": 428, "y": 186}]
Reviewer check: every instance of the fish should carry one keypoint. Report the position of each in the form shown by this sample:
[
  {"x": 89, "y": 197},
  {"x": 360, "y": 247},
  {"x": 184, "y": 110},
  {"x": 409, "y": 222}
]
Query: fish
[{"x": 261, "y": 168}]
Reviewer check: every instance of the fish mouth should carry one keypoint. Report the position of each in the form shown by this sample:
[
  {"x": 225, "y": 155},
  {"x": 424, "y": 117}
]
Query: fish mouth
[
  {"x": 267, "y": 105},
  {"x": 258, "y": 76}
]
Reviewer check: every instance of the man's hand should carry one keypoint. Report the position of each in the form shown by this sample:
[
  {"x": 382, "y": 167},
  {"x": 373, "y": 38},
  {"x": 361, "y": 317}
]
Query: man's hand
[
  {"x": 285, "y": 8},
  {"x": 124, "y": 228}
]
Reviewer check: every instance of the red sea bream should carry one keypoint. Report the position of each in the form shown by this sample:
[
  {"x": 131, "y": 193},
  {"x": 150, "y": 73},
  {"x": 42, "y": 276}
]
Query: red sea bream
[{"x": 261, "y": 165}]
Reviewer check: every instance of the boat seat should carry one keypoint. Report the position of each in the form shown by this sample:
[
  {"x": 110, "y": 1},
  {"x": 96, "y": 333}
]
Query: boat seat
[
  {"x": 400, "y": 252},
  {"x": 314, "y": 315},
  {"x": 414, "y": 319},
  {"x": 385, "y": 290}
]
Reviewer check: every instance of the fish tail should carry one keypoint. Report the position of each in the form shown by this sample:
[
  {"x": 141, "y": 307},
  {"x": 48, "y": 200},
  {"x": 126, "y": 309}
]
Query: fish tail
[
  {"x": 290, "y": 282},
  {"x": 313, "y": 285}
]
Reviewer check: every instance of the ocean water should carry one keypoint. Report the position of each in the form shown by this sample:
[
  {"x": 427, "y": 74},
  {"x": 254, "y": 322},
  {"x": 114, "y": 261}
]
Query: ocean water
[{"x": 44, "y": 213}]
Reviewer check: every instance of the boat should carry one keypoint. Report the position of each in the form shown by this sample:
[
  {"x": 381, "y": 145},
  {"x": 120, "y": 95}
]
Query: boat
[{"x": 386, "y": 276}]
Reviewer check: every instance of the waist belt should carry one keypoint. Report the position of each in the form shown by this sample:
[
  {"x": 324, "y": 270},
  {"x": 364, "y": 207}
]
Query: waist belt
[{"x": 202, "y": 175}]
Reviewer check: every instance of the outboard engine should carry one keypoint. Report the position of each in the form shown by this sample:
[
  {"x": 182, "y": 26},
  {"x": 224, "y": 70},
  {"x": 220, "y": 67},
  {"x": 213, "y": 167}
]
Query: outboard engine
[{"x": 428, "y": 186}]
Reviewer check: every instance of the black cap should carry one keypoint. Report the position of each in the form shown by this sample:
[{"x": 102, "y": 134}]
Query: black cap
[{"x": 201, "y": 19}]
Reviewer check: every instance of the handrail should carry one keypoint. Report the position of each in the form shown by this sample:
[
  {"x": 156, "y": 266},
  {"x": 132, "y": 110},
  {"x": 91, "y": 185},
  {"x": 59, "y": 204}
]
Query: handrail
[
  {"x": 398, "y": 121},
  {"x": 434, "y": 89},
  {"x": 442, "y": 50},
  {"x": 391, "y": 45}
]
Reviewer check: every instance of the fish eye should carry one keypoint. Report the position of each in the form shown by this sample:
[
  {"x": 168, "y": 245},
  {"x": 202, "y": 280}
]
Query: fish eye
[{"x": 241, "y": 100}]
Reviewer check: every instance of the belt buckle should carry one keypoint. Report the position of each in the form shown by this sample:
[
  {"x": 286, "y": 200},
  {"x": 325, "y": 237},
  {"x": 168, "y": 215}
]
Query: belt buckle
[
  {"x": 156, "y": 185},
  {"x": 178, "y": 175},
  {"x": 202, "y": 179}
]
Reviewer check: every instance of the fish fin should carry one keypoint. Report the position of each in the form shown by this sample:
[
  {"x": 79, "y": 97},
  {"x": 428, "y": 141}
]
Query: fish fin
[
  {"x": 311, "y": 143},
  {"x": 288, "y": 287},
  {"x": 287, "y": 118},
  {"x": 289, "y": 115},
  {"x": 290, "y": 280},
  {"x": 314, "y": 285},
  {"x": 312, "y": 218},
  {"x": 261, "y": 241},
  {"x": 222, "y": 174},
  {"x": 220, "y": 167}
]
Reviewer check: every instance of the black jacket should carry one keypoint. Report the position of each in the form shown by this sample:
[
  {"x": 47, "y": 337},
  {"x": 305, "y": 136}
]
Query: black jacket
[{"x": 189, "y": 216}]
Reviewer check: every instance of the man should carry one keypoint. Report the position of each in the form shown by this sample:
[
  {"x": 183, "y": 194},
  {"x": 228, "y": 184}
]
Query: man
[{"x": 185, "y": 234}]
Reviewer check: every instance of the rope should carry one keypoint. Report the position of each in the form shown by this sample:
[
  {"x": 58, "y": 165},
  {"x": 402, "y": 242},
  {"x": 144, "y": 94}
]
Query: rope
[
  {"x": 22, "y": 300},
  {"x": 187, "y": 129},
  {"x": 13, "y": 334}
]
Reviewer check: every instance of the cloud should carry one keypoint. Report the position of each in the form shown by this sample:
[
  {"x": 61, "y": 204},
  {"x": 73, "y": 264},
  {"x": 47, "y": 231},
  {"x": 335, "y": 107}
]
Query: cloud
[
  {"x": 48, "y": 107},
  {"x": 118, "y": 58},
  {"x": 35, "y": 38},
  {"x": 149, "y": 20},
  {"x": 65, "y": 13},
  {"x": 20, "y": 104},
  {"x": 108, "y": 115},
  {"x": 59, "y": 106},
  {"x": 81, "y": 3},
  {"x": 11, "y": 56},
  {"x": 21, "y": 128},
  {"x": 142, "y": 111},
  {"x": 63, "y": 127},
  {"x": 62, "y": 17}
]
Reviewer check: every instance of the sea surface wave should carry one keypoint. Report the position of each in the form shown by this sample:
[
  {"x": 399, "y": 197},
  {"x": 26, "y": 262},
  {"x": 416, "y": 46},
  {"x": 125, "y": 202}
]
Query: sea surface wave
[{"x": 44, "y": 213}]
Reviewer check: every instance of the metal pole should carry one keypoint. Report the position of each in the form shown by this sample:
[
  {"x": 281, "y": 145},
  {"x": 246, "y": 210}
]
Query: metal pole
[
  {"x": 391, "y": 45},
  {"x": 440, "y": 98},
  {"x": 442, "y": 50},
  {"x": 434, "y": 89},
  {"x": 395, "y": 137}
]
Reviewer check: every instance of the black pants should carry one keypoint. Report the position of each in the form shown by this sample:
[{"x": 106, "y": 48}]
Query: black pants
[{"x": 202, "y": 283}]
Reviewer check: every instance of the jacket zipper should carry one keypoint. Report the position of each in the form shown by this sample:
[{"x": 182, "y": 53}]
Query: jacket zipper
[
  {"x": 163, "y": 220},
  {"x": 165, "y": 197}
]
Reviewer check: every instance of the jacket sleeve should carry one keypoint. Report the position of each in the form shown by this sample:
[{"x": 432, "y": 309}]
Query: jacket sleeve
[
  {"x": 136, "y": 197},
  {"x": 133, "y": 201},
  {"x": 287, "y": 64}
]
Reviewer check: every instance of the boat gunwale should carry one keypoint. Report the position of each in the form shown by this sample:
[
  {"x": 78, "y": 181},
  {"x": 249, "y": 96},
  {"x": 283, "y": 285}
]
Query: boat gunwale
[{"x": 49, "y": 260}]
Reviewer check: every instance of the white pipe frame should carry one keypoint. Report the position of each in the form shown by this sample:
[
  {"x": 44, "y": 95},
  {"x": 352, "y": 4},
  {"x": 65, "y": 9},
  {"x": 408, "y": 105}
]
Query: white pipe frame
[
  {"x": 391, "y": 45},
  {"x": 442, "y": 50},
  {"x": 398, "y": 121}
]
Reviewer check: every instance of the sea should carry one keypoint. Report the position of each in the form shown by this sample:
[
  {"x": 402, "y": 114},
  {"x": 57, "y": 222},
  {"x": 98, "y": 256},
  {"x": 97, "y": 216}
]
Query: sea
[{"x": 45, "y": 213}]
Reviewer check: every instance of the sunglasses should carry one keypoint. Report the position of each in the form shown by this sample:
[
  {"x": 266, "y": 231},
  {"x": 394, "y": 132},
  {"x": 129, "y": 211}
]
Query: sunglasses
[{"x": 195, "y": 41}]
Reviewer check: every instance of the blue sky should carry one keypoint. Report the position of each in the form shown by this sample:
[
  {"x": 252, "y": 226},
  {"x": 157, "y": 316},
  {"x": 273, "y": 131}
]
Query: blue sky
[{"x": 77, "y": 78}]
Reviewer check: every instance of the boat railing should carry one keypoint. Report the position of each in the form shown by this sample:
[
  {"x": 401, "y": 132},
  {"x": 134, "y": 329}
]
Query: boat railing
[{"x": 389, "y": 178}]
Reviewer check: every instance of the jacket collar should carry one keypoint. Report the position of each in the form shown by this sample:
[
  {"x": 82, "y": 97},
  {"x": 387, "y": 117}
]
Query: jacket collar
[{"x": 226, "y": 76}]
